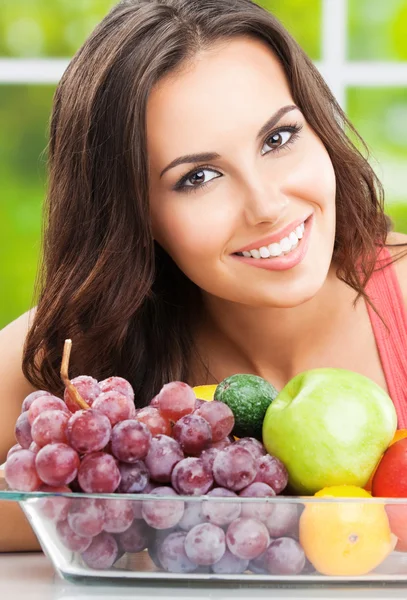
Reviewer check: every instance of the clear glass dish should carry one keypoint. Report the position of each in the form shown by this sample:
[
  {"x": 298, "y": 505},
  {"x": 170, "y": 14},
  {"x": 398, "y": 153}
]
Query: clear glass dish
[{"x": 330, "y": 530}]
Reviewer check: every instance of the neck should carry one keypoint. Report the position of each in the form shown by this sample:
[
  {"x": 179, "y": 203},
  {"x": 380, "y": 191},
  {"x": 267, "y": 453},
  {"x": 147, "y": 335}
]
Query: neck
[{"x": 274, "y": 343}]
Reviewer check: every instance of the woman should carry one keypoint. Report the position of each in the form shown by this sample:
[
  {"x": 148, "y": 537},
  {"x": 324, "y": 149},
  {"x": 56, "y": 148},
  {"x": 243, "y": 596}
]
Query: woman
[{"x": 207, "y": 215}]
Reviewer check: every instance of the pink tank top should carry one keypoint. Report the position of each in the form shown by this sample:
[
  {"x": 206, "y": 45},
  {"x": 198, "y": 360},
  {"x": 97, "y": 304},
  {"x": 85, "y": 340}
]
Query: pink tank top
[{"x": 383, "y": 289}]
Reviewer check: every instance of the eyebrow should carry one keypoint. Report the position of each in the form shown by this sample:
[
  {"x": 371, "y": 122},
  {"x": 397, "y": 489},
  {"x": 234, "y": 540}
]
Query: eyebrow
[{"x": 208, "y": 156}]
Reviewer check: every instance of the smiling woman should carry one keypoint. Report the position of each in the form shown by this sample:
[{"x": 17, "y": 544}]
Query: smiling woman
[{"x": 206, "y": 214}]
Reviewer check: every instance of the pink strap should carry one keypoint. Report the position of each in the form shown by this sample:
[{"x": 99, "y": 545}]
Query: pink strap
[{"x": 384, "y": 291}]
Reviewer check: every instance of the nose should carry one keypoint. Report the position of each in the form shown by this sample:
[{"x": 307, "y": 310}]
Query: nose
[{"x": 264, "y": 202}]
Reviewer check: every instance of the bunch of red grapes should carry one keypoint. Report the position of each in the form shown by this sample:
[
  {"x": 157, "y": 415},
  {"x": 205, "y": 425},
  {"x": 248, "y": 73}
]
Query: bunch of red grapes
[{"x": 177, "y": 446}]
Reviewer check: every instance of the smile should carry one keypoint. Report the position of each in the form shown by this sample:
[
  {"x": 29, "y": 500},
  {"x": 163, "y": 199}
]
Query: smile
[
  {"x": 285, "y": 254},
  {"x": 284, "y": 246}
]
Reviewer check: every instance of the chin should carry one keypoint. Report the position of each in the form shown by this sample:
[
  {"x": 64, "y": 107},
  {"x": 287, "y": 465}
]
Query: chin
[{"x": 290, "y": 296}]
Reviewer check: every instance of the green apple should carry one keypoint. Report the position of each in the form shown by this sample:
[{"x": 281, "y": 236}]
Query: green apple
[{"x": 329, "y": 427}]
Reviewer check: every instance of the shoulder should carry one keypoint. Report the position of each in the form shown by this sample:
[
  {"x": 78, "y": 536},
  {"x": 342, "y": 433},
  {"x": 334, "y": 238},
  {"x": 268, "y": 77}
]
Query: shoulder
[
  {"x": 12, "y": 341},
  {"x": 400, "y": 255}
]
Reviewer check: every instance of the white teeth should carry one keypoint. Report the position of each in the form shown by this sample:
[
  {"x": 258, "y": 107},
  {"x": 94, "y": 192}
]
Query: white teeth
[
  {"x": 293, "y": 239},
  {"x": 275, "y": 249},
  {"x": 254, "y": 253},
  {"x": 285, "y": 244}
]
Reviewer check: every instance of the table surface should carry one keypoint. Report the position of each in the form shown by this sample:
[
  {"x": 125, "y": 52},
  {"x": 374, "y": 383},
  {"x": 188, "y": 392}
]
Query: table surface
[{"x": 30, "y": 576}]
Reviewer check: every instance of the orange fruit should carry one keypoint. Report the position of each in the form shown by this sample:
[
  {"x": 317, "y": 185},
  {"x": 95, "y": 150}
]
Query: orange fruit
[
  {"x": 341, "y": 538},
  {"x": 399, "y": 435}
]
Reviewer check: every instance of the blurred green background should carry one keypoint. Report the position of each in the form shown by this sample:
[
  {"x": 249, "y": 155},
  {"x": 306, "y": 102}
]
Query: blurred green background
[{"x": 377, "y": 31}]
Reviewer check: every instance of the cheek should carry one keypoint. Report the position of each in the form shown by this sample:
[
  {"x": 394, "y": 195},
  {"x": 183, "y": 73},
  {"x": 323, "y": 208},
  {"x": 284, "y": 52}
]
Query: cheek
[{"x": 194, "y": 232}]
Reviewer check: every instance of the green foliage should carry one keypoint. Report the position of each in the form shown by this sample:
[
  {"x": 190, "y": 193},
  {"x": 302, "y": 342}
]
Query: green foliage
[
  {"x": 48, "y": 27},
  {"x": 302, "y": 19},
  {"x": 378, "y": 29}
]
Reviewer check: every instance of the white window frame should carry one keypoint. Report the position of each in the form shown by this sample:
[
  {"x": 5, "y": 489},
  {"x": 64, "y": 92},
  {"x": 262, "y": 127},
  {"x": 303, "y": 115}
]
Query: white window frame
[{"x": 338, "y": 72}]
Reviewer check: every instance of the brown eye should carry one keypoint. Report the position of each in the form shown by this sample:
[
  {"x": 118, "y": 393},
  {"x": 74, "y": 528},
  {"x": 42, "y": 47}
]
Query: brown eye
[
  {"x": 280, "y": 138},
  {"x": 197, "y": 178},
  {"x": 275, "y": 140}
]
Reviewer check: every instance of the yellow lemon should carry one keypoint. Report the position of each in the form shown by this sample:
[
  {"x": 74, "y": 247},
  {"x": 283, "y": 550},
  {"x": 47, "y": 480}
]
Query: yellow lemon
[
  {"x": 205, "y": 392},
  {"x": 344, "y": 491},
  {"x": 345, "y": 539}
]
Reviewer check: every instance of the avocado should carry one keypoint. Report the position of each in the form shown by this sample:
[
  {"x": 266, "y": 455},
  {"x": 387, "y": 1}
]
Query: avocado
[{"x": 248, "y": 397}]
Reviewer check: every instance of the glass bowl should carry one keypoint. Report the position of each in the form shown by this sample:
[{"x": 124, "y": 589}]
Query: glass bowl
[{"x": 283, "y": 539}]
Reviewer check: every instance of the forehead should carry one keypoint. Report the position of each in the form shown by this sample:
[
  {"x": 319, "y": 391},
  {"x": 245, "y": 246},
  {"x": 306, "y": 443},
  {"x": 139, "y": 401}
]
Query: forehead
[{"x": 237, "y": 83}]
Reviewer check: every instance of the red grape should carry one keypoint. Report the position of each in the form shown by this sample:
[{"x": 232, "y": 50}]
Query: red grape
[
  {"x": 155, "y": 422},
  {"x": 208, "y": 458},
  {"x": 257, "y": 510},
  {"x": 31, "y": 397},
  {"x": 192, "y": 515},
  {"x": 190, "y": 477},
  {"x": 99, "y": 473},
  {"x": 162, "y": 514},
  {"x": 16, "y": 448},
  {"x": 135, "y": 538},
  {"x": 192, "y": 433},
  {"x": 221, "y": 513},
  {"x": 172, "y": 555},
  {"x": 102, "y": 552},
  {"x": 55, "y": 508},
  {"x": 222, "y": 444},
  {"x": 230, "y": 564},
  {"x": 23, "y": 430},
  {"x": 284, "y": 556},
  {"x": 49, "y": 427},
  {"x": 134, "y": 478},
  {"x": 118, "y": 515},
  {"x": 163, "y": 454},
  {"x": 258, "y": 564},
  {"x": 247, "y": 538},
  {"x": 117, "y": 407},
  {"x": 154, "y": 402},
  {"x": 198, "y": 403},
  {"x": 57, "y": 464},
  {"x": 117, "y": 384},
  {"x": 253, "y": 445},
  {"x": 130, "y": 440},
  {"x": 86, "y": 517},
  {"x": 70, "y": 539},
  {"x": 34, "y": 448},
  {"x": 88, "y": 431},
  {"x": 175, "y": 400},
  {"x": 219, "y": 417},
  {"x": 272, "y": 471},
  {"x": 283, "y": 520},
  {"x": 88, "y": 389},
  {"x": 46, "y": 403},
  {"x": 205, "y": 544},
  {"x": 234, "y": 468},
  {"x": 20, "y": 472}
]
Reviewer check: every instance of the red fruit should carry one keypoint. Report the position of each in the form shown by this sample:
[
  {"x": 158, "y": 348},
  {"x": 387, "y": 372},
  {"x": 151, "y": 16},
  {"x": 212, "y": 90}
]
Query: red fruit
[
  {"x": 397, "y": 514},
  {"x": 155, "y": 422},
  {"x": 390, "y": 478},
  {"x": 175, "y": 400}
]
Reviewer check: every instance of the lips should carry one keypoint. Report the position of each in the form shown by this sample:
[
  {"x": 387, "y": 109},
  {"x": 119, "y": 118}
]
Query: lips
[{"x": 274, "y": 237}]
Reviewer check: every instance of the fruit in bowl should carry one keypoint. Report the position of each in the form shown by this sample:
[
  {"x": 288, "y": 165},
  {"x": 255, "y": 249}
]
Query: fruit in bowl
[
  {"x": 329, "y": 427},
  {"x": 345, "y": 538},
  {"x": 95, "y": 441}
]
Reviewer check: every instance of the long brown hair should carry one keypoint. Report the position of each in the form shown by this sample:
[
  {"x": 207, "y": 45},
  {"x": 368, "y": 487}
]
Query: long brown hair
[{"x": 104, "y": 282}]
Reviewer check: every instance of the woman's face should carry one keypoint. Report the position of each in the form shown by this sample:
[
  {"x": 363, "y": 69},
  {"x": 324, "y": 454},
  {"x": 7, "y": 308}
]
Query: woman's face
[{"x": 234, "y": 167}]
